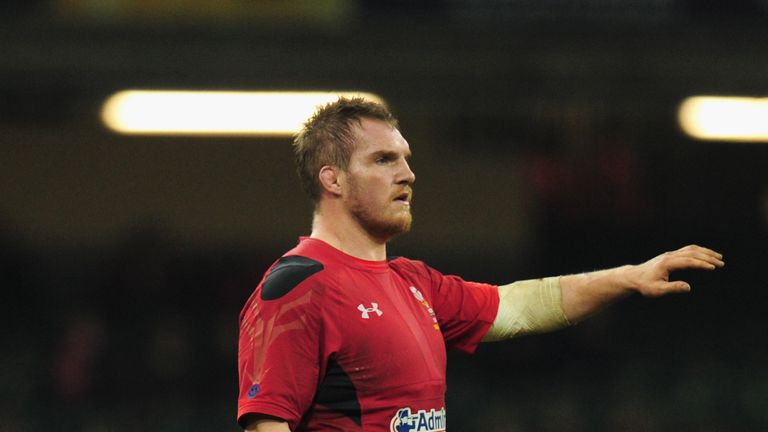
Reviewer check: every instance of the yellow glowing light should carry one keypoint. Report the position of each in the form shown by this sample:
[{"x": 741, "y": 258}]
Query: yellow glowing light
[
  {"x": 725, "y": 118},
  {"x": 157, "y": 112}
]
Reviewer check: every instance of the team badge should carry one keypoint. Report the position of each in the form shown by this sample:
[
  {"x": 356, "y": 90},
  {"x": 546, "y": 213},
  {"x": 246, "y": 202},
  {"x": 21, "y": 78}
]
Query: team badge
[
  {"x": 420, "y": 297},
  {"x": 421, "y": 421}
]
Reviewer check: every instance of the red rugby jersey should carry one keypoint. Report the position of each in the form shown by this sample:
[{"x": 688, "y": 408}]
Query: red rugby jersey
[{"x": 330, "y": 342}]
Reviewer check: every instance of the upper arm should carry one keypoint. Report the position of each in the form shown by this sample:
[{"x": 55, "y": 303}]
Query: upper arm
[{"x": 280, "y": 344}]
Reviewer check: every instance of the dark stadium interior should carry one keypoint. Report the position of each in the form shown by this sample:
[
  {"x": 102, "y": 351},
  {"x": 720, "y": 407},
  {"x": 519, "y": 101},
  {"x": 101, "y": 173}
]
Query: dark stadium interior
[{"x": 545, "y": 142}]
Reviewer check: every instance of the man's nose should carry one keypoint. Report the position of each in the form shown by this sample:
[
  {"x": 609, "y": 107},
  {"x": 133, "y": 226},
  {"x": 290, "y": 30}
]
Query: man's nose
[{"x": 407, "y": 175}]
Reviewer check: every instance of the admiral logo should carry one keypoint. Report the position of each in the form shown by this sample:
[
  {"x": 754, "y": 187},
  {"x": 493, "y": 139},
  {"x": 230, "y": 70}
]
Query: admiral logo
[{"x": 421, "y": 421}]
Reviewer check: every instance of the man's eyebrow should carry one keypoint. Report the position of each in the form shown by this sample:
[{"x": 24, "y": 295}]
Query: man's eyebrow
[
  {"x": 384, "y": 153},
  {"x": 389, "y": 153}
]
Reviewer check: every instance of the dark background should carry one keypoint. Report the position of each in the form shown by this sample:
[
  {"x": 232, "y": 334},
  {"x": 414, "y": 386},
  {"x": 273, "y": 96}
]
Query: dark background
[{"x": 545, "y": 142}]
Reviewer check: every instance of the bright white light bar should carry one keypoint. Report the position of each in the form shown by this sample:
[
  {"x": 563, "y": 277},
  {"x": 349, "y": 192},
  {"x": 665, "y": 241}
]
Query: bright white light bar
[
  {"x": 155, "y": 112},
  {"x": 725, "y": 118}
]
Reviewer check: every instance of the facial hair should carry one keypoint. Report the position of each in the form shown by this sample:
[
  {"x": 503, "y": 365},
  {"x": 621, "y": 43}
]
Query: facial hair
[{"x": 374, "y": 221}]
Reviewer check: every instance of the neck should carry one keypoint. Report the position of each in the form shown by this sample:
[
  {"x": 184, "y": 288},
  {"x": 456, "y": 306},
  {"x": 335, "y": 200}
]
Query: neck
[{"x": 344, "y": 233}]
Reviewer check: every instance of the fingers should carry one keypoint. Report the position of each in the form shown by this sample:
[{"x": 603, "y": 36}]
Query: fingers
[
  {"x": 702, "y": 252},
  {"x": 680, "y": 263},
  {"x": 695, "y": 257},
  {"x": 683, "y": 263}
]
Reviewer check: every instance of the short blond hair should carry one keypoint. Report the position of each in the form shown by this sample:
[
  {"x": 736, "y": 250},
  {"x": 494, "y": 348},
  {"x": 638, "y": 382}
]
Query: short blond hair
[{"x": 327, "y": 138}]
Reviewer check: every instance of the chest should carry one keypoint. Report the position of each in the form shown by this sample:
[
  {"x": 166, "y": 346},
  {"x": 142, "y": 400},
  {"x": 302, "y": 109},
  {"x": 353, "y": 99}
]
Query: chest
[{"x": 383, "y": 331}]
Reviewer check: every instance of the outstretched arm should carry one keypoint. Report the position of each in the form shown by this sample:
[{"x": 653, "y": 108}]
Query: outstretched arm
[
  {"x": 542, "y": 305},
  {"x": 586, "y": 293}
]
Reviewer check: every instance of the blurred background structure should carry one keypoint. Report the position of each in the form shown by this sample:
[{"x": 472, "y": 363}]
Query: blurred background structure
[{"x": 545, "y": 141}]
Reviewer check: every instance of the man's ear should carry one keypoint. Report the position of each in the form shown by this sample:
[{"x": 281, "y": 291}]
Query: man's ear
[{"x": 330, "y": 179}]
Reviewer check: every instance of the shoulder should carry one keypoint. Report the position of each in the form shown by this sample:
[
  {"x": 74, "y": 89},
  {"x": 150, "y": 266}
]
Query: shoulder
[
  {"x": 406, "y": 266},
  {"x": 287, "y": 273}
]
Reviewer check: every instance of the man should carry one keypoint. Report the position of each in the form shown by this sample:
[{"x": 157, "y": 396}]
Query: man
[{"x": 337, "y": 337}]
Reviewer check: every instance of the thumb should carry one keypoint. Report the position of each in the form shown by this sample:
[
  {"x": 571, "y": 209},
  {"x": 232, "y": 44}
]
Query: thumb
[{"x": 677, "y": 286}]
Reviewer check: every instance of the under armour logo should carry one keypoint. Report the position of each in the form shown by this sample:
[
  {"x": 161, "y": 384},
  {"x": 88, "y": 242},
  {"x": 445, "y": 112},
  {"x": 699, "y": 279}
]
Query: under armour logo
[{"x": 366, "y": 311}]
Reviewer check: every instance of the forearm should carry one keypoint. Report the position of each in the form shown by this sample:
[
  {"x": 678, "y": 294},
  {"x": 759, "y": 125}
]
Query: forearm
[
  {"x": 586, "y": 293},
  {"x": 547, "y": 304},
  {"x": 543, "y": 305}
]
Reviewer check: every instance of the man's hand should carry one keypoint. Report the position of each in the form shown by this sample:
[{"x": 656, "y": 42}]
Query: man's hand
[
  {"x": 651, "y": 278},
  {"x": 586, "y": 293}
]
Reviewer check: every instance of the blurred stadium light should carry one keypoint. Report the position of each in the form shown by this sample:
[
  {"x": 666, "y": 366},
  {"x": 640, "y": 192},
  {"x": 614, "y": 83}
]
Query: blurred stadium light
[
  {"x": 157, "y": 112},
  {"x": 725, "y": 118}
]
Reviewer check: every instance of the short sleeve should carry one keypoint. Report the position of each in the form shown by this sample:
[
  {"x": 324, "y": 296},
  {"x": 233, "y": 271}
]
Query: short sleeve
[
  {"x": 465, "y": 310},
  {"x": 279, "y": 354}
]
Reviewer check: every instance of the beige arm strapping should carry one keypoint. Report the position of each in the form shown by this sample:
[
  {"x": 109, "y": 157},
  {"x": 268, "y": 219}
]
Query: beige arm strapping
[{"x": 530, "y": 306}]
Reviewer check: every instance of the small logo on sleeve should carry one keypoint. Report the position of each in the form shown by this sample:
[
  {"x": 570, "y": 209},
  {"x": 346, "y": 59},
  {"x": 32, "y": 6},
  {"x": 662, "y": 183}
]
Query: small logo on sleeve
[
  {"x": 253, "y": 391},
  {"x": 421, "y": 421},
  {"x": 366, "y": 312}
]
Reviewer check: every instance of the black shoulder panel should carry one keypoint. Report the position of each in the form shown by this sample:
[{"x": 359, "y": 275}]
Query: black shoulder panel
[{"x": 287, "y": 274}]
